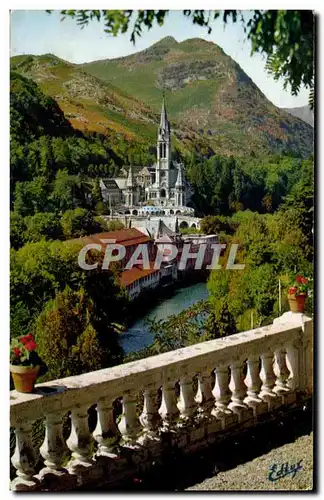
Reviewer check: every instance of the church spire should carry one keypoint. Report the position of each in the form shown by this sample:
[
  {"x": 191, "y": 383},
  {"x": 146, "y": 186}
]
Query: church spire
[
  {"x": 130, "y": 180},
  {"x": 179, "y": 182},
  {"x": 164, "y": 124}
]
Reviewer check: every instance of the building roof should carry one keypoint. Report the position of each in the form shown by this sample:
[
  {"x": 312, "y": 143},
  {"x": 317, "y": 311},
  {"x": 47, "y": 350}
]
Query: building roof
[
  {"x": 137, "y": 272},
  {"x": 109, "y": 183},
  {"x": 156, "y": 227},
  {"x": 124, "y": 237},
  {"x": 144, "y": 171},
  {"x": 121, "y": 182}
]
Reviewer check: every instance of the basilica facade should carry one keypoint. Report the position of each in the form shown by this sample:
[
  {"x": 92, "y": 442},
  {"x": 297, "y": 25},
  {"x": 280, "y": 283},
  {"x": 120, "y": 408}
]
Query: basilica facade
[{"x": 159, "y": 188}]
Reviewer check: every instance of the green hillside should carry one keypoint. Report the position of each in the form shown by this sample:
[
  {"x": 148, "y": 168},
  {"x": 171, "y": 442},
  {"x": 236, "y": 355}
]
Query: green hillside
[
  {"x": 213, "y": 106},
  {"x": 207, "y": 91},
  {"x": 93, "y": 105}
]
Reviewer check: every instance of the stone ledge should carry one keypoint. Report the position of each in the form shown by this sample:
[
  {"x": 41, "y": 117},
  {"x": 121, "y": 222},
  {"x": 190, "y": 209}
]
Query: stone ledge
[{"x": 63, "y": 394}]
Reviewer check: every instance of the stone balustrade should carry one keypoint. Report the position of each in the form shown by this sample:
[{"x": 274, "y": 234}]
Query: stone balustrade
[{"x": 183, "y": 399}]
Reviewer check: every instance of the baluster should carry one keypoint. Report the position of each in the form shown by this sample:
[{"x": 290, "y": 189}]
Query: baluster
[
  {"x": 187, "y": 405},
  {"x": 24, "y": 458},
  {"x": 253, "y": 384},
  {"x": 53, "y": 447},
  {"x": 237, "y": 387},
  {"x": 204, "y": 397},
  {"x": 292, "y": 362},
  {"x": 268, "y": 379},
  {"x": 129, "y": 425},
  {"x": 149, "y": 417},
  {"x": 80, "y": 439},
  {"x": 282, "y": 373},
  {"x": 106, "y": 433},
  {"x": 220, "y": 392},
  {"x": 168, "y": 409},
  {"x": 252, "y": 380}
]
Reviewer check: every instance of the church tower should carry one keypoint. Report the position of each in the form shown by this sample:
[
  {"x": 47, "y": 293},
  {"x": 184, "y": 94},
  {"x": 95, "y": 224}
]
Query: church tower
[
  {"x": 179, "y": 191},
  {"x": 130, "y": 187},
  {"x": 162, "y": 172}
]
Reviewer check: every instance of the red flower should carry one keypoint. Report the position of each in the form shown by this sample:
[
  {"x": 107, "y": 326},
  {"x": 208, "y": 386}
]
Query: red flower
[
  {"x": 292, "y": 290},
  {"x": 304, "y": 281},
  {"x": 16, "y": 351},
  {"x": 301, "y": 279},
  {"x": 31, "y": 345},
  {"x": 26, "y": 339}
]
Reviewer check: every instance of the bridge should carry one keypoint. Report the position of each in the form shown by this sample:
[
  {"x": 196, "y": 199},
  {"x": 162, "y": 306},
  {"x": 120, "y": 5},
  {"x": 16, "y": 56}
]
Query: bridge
[{"x": 171, "y": 221}]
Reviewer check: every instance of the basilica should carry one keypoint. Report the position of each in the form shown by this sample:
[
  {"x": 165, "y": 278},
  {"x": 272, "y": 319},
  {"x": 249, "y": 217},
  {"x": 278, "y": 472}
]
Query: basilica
[{"x": 157, "y": 189}]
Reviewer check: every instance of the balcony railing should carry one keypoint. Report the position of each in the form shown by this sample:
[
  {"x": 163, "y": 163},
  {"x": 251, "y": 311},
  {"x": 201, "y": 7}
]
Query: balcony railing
[{"x": 185, "y": 399}]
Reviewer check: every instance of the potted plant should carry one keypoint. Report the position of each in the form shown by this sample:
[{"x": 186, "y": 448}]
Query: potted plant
[
  {"x": 25, "y": 363},
  {"x": 297, "y": 293}
]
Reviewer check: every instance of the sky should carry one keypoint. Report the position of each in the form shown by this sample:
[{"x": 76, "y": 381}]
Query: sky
[{"x": 36, "y": 32}]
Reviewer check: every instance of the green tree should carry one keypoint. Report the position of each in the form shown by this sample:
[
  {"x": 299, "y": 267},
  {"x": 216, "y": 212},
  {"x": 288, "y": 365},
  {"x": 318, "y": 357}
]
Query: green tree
[
  {"x": 210, "y": 225},
  {"x": 38, "y": 271},
  {"x": 42, "y": 225},
  {"x": 221, "y": 323},
  {"x": 17, "y": 230},
  {"x": 67, "y": 342},
  {"x": 80, "y": 222},
  {"x": 31, "y": 197},
  {"x": 63, "y": 193},
  {"x": 68, "y": 339}
]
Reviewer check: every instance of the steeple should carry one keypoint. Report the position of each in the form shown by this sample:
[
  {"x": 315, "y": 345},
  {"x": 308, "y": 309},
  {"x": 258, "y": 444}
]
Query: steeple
[
  {"x": 130, "y": 180},
  {"x": 164, "y": 130},
  {"x": 179, "y": 183},
  {"x": 179, "y": 188}
]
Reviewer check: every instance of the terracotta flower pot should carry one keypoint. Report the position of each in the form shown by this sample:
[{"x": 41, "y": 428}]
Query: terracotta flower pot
[
  {"x": 297, "y": 302},
  {"x": 24, "y": 377}
]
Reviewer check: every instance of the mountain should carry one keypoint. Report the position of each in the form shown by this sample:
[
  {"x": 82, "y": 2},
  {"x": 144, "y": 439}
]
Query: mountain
[
  {"x": 302, "y": 112},
  {"x": 209, "y": 92},
  {"x": 212, "y": 104}
]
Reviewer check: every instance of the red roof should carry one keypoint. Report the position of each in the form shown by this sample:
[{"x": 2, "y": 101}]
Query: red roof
[
  {"x": 126, "y": 237},
  {"x": 137, "y": 272}
]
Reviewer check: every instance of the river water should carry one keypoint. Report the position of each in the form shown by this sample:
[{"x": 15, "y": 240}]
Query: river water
[{"x": 138, "y": 336}]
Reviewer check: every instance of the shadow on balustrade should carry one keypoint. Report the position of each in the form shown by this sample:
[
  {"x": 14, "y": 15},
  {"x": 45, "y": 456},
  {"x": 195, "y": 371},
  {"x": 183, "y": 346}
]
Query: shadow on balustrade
[
  {"x": 179, "y": 472},
  {"x": 49, "y": 391}
]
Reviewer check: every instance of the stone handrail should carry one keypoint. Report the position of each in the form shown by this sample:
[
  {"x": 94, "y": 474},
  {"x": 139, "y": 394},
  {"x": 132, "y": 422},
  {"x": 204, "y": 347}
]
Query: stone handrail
[{"x": 203, "y": 390}]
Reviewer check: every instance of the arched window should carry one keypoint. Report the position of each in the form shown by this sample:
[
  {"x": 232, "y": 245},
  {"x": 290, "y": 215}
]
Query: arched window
[
  {"x": 161, "y": 154},
  {"x": 164, "y": 156}
]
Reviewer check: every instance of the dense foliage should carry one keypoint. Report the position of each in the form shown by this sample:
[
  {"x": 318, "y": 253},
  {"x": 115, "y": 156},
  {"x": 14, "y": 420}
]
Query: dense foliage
[
  {"x": 40, "y": 300},
  {"x": 71, "y": 340},
  {"x": 226, "y": 185}
]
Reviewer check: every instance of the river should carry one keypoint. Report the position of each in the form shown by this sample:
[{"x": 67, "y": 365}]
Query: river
[{"x": 138, "y": 336}]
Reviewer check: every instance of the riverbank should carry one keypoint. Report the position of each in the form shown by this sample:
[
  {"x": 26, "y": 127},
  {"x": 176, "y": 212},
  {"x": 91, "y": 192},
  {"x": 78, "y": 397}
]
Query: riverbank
[
  {"x": 139, "y": 336},
  {"x": 151, "y": 298}
]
